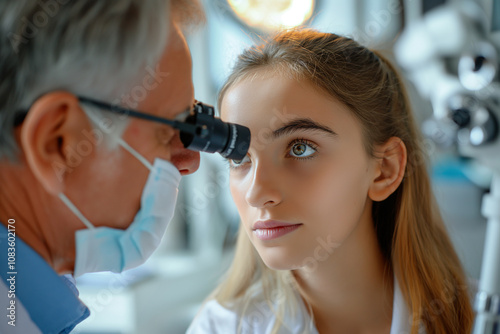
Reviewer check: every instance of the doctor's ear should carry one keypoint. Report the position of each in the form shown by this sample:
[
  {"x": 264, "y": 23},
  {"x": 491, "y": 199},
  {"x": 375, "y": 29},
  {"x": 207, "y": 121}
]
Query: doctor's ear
[
  {"x": 53, "y": 125},
  {"x": 390, "y": 169}
]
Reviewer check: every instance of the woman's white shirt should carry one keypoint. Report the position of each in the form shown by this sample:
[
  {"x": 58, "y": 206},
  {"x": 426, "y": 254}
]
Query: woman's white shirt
[{"x": 259, "y": 319}]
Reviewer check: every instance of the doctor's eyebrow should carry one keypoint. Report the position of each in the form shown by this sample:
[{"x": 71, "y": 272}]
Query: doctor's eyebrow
[
  {"x": 184, "y": 114},
  {"x": 301, "y": 124}
]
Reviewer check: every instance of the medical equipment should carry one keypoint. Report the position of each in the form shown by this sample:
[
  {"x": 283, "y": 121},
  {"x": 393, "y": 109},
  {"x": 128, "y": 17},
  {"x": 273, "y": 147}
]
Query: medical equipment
[
  {"x": 199, "y": 131},
  {"x": 231, "y": 140},
  {"x": 451, "y": 55}
]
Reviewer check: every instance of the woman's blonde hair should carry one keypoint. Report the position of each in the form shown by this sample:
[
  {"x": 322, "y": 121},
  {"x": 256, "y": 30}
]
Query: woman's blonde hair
[{"x": 409, "y": 227}]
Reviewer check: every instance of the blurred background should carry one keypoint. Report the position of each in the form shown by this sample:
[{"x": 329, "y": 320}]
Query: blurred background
[{"x": 164, "y": 294}]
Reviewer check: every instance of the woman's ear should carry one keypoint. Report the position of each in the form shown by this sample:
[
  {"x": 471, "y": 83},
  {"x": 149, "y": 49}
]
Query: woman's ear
[
  {"x": 52, "y": 126},
  {"x": 389, "y": 170}
]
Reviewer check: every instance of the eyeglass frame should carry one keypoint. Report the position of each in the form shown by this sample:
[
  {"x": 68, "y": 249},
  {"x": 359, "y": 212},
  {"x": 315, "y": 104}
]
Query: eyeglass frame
[{"x": 116, "y": 109}]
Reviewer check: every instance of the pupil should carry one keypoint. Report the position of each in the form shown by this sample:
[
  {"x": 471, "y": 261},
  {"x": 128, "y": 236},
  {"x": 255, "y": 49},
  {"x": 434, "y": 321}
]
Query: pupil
[{"x": 299, "y": 149}]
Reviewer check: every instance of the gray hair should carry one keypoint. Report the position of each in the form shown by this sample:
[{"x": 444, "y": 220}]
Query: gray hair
[{"x": 100, "y": 49}]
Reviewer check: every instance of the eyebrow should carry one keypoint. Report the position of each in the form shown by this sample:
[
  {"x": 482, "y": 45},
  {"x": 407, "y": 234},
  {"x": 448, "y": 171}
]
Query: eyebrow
[
  {"x": 301, "y": 124},
  {"x": 183, "y": 114}
]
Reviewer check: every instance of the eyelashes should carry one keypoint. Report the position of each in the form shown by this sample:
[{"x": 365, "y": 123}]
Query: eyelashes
[
  {"x": 234, "y": 164},
  {"x": 297, "y": 149},
  {"x": 302, "y": 149}
]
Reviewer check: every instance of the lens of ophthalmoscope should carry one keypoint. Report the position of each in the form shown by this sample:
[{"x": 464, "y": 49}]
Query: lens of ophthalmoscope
[{"x": 229, "y": 139}]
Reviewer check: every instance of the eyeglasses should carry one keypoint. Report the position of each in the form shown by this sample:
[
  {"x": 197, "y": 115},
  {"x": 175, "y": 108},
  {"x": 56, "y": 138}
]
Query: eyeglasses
[{"x": 200, "y": 131}]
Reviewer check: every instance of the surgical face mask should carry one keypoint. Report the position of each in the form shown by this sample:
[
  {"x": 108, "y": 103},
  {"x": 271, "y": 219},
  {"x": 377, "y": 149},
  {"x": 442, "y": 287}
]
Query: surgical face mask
[{"x": 110, "y": 249}]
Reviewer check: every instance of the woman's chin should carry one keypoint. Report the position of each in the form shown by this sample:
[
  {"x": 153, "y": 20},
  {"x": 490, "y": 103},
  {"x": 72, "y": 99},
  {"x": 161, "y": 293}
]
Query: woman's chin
[{"x": 280, "y": 260}]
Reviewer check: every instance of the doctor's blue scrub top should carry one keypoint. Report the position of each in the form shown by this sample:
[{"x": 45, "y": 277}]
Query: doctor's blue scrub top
[{"x": 44, "y": 301}]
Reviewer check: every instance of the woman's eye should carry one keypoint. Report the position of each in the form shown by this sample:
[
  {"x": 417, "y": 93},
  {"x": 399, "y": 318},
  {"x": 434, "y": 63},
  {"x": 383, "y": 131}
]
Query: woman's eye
[
  {"x": 301, "y": 150},
  {"x": 236, "y": 163}
]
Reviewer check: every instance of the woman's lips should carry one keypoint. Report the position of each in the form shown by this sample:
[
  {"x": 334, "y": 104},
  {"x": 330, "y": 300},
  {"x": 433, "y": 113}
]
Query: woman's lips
[{"x": 272, "y": 229}]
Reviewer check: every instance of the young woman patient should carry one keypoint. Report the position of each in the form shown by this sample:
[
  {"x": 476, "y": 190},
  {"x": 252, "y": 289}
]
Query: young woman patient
[{"x": 340, "y": 232}]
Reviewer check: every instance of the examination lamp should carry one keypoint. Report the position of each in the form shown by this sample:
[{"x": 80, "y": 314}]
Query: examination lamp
[
  {"x": 200, "y": 131},
  {"x": 272, "y": 15}
]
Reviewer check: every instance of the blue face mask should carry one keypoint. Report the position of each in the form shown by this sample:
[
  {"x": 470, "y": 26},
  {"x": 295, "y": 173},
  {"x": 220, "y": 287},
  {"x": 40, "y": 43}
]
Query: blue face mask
[{"x": 110, "y": 249}]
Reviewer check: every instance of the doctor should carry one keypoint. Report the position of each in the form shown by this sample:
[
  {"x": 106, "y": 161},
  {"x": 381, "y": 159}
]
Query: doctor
[{"x": 81, "y": 189}]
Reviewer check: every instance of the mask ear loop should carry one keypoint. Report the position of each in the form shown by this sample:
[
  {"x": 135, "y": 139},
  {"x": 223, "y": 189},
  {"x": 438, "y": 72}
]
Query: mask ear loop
[
  {"x": 75, "y": 210},
  {"x": 127, "y": 147},
  {"x": 65, "y": 198},
  {"x": 95, "y": 119},
  {"x": 136, "y": 154}
]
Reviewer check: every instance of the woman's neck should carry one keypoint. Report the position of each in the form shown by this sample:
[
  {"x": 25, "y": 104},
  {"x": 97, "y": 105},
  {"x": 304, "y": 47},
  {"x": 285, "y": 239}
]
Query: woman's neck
[{"x": 352, "y": 290}]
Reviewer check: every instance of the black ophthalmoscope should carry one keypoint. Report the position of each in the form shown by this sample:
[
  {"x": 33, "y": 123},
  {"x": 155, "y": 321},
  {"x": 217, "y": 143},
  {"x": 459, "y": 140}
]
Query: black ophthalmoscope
[{"x": 213, "y": 135}]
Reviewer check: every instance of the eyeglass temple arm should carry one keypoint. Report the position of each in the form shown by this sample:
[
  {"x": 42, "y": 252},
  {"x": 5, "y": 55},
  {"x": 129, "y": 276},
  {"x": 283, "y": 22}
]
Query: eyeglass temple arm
[{"x": 184, "y": 127}]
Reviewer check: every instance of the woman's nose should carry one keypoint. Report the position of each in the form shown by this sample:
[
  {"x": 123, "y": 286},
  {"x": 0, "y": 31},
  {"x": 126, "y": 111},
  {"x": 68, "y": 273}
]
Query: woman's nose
[{"x": 264, "y": 190}]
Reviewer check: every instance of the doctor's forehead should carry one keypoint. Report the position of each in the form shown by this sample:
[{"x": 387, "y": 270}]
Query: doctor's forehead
[{"x": 188, "y": 14}]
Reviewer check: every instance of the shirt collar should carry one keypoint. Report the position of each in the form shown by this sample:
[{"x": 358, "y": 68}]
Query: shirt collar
[
  {"x": 400, "y": 314},
  {"x": 51, "y": 300}
]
